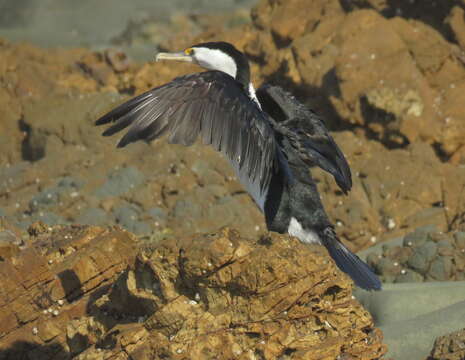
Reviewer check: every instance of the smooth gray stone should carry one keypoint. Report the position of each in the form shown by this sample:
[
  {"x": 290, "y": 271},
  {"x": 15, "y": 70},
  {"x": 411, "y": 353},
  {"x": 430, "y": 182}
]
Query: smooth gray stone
[
  {"x": 412, "y": 315},
  {"x": 119, "y": 182},
  {"x": 414, "y": 338},
  {"x": 409, "y": 276},
  {"x": 422, "y": 256},
  {"x": 94, "y": 216},
  {"x": 441, "y": 268},
  {"x": 378, "y": 248}
]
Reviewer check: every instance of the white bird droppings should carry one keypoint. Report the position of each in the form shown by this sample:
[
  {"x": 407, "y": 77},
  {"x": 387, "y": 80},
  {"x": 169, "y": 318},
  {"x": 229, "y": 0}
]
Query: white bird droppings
[{"x": 391, "y": 224}]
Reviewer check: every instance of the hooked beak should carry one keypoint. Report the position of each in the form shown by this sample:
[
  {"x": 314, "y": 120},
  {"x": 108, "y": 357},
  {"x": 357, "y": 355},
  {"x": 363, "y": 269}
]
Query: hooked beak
[{"x": 178, "y": 56}]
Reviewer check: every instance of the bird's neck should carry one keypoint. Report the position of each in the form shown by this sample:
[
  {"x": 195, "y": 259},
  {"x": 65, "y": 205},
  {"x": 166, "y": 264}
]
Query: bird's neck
[{"x": 242, "y": 71}]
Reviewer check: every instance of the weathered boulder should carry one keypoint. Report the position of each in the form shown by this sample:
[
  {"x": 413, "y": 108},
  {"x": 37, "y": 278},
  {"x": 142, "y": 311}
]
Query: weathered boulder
[
  {"x": 449, "y": 347},
  {"x": 49, "y": 283},
  {"x": 201, "y": 297},
  {"x": 403, "y": 89}
]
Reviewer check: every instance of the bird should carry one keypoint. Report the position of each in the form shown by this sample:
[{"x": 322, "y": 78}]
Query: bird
[{"x": 270, "y": 139}]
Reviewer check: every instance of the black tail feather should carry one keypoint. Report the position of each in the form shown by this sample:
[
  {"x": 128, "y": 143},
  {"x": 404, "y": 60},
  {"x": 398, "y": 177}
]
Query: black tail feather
[{"x": 350, "y": 263}]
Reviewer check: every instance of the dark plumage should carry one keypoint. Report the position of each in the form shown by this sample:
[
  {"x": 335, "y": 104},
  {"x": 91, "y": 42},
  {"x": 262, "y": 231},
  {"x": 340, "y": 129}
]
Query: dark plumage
[
  {"x": 212, "y": 107},
  {"x": 269, "y": 138}
]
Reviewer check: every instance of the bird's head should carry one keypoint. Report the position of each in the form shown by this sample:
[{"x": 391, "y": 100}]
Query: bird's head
[{"x": 220, "y": 56}]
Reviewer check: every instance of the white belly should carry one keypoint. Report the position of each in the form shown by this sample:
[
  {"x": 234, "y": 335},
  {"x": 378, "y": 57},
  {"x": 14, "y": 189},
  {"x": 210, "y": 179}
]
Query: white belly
[{"x": 306, "y": 236}]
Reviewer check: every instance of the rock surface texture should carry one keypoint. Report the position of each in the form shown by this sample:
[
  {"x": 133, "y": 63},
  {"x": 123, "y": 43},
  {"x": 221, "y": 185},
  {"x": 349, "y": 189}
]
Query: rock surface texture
[
  {"x": 399, "y": 101},
  {"x": 424, "y": 255},
  {"x": 449, "y": 347},
  {"x": 94, "y": 293},
  {"x": 396, "y": 109}
]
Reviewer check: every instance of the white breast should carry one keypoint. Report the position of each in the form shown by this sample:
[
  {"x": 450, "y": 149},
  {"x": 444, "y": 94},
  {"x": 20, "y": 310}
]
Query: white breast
[{"x": 306, "y": 236}]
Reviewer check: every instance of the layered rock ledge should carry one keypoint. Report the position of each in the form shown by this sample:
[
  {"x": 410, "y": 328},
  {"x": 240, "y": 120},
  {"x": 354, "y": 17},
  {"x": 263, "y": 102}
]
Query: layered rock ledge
[{"x": 96, "y": 293}]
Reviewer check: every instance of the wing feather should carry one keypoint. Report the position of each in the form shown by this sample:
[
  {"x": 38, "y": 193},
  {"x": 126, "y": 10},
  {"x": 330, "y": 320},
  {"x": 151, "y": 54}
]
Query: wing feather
[
  {"x": 210, "y": 104},
  {"x": 306, "y": 132}
]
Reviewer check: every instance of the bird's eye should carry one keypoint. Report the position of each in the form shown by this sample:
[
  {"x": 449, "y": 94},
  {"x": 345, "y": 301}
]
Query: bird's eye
[{"x": 189, "y": 51}]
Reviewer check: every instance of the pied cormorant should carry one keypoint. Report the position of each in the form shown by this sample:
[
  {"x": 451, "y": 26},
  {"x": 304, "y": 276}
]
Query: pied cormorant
[{"x": 269, "y": 138}]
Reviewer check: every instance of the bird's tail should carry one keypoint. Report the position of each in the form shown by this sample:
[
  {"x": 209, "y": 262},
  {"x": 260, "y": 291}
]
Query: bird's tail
[{"x": 348, "y": 262}]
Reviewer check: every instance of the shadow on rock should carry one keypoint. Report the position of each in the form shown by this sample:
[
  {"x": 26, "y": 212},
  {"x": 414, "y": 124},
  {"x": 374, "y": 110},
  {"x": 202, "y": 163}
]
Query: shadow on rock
[
  {"x": 110, "y": 295},
  {"x": 26, "y": 350},
  {"x": 432, "y": 13}
]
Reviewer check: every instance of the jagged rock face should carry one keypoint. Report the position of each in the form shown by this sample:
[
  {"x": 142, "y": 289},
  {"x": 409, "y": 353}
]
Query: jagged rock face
[
  {"x": 51, "y": 281},
  {"x": 165, "y": 189},
  {"x": 402, "y": 89},
  {"x": 449, "y": 347},
  {"x": 199, "y": 297}
]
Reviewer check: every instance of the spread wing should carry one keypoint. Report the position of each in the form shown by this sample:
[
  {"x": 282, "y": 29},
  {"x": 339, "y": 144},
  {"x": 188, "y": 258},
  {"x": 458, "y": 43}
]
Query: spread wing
[
  {"x": 306, "y": 132},
  {"x": 210, "y": 104}
]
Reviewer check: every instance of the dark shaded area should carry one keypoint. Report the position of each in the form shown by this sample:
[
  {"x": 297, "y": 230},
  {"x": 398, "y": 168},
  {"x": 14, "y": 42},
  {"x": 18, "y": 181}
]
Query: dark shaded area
[
  {"x": 440, "y": 152},
  {"x": 25, "y": 350},
  {"x": 71, "y": 284},
  {"x": 391, "y": 138},
  {"x": 433, "y": 13},
  {"x": 31, "y": 150}
]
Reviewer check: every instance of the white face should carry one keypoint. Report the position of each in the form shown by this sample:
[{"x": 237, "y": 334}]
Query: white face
[{"x": 214, "y": 59}]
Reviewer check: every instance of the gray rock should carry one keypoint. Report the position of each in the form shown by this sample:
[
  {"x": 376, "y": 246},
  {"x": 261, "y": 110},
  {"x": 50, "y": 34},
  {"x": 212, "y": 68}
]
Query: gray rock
[
  {"x": 186, "y": 208},
  {"x": 126, "y": 214},
  {"x": 8, "y": 236},
  {"x": 69, "y": 182},
  {"x": 128, "y": 217},
  {"x": 48, "y": 218},
  {"x": 52, "y": 196},
  {"x": 388, "y": 278},
  {"x": 22, "y": 223},
  {"x": 386, "y": 266},
  {"x": 419, "y": 236},
  {"x": 11, "y": 175},
  {"x": 422, "y": 257},
  {"x": 157, "y": 213},
  {"x": 46, "y": 198},
  {"x": 141, "y": 228},
  {"x": 459, "y": 238},
  {"x": 219, "y": 192},
  {"x": 441, "y": 268},
  {"x": 206, "y": 174},
  {"x": 120, "y": 182},
  {"x": 445, "y": 243},
  {"x": 372, "y": 259},
  {"x": 94, "y": 216},
  {"x": 446, "y": 247},
  {"x": 2, "y": 213},
  {"x": 408, "y": 276}
]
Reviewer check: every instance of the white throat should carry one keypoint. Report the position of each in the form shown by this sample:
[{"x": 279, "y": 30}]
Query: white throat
[
  {"x": 214, "y": 59},
  {"x": 253, "y": 96}
]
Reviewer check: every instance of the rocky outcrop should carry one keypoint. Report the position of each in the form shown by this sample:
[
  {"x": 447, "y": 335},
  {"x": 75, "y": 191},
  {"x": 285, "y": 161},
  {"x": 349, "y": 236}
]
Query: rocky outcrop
[
  {"x": 83, "y": 292},
  {"x": 424, "y": 255},
  {"x": 51, "y": 281},
  {"x": 449, "y": 347},
  {"x": 162, "y": 190},
  {"x": 405, "y": 89}
]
